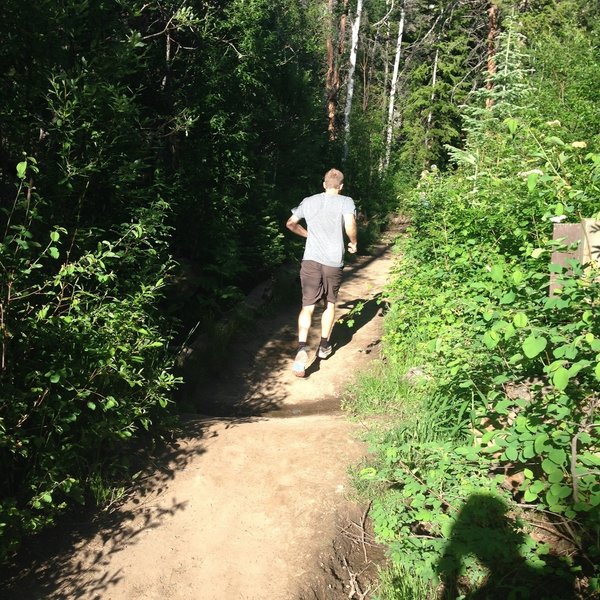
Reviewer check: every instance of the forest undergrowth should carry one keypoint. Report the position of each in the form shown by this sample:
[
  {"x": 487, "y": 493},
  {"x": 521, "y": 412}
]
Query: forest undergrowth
[{"x": 486, "y": 485}]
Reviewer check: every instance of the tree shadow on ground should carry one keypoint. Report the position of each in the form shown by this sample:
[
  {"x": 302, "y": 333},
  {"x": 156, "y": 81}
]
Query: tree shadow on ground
[
  {"x": 485, "y": 532},
  {"x": 249, "y": 382},
  {"x": 361, "y": 311},
  {"x": 44, "y": 568}
]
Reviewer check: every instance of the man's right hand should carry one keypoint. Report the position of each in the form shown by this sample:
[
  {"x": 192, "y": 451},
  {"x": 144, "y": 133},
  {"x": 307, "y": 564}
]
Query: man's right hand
[{"x": 352, "y": 247}]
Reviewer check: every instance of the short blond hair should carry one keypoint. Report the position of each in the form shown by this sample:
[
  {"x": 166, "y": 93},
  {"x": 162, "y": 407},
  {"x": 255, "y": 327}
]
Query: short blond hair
[{"x": 333, "y": 179}]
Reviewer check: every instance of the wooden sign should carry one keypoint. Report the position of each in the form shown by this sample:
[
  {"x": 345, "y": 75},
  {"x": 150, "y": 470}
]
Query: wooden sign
[{"x": 587, "y": 236}]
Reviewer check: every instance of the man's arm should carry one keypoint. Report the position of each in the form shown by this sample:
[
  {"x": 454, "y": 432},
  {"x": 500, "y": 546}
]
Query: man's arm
[
  {"x": 294, "y": 226},
  {"x": 350, "y": 228}
]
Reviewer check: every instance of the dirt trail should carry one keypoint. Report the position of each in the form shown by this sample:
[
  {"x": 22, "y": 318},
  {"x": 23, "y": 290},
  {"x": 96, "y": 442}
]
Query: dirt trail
[{"x": 246, "y": 503}]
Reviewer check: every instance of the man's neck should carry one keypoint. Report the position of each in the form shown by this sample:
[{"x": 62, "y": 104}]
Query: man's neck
[{"x": 332, "y": 191}]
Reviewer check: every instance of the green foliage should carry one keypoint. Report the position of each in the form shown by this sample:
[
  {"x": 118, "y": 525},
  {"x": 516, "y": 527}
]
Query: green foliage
[
  {"x": 514, "y": 369},
  {"x": 400, "y": 583},
  {"x": 150, "y": 129},
  {"x": 83, "y": 359}
]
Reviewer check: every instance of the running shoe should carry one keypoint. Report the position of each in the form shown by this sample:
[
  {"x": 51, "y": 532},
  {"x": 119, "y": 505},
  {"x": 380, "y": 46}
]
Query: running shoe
[
  {"x": 300, "y": 362},
  {"x": 325, "y": 351}
]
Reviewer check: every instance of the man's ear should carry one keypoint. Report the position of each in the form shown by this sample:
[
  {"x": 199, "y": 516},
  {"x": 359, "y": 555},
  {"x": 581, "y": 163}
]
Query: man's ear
[
  {"x": 324, "y": 186},
  {"x": 341, "y": 186}
]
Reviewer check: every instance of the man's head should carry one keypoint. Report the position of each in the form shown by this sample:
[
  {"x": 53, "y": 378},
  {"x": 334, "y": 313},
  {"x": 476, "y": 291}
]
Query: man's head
[{"x": 333, "y": 180}]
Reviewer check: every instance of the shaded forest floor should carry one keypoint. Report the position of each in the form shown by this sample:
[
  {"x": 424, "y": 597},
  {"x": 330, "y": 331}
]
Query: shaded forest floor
[{"x": 252, "y": 500}]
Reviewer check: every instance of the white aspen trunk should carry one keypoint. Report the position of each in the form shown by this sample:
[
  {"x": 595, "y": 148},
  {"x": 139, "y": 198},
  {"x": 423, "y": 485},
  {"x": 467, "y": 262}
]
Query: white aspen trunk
[
  {"x": 163, "y": 83},
  {"x": 431, "y": 99},
  {"x": 390, "y": 127},
  {"x": 350, "y": 93},
  {"x": 433, "y": 80},
  {"x": 386, "y": 66}
]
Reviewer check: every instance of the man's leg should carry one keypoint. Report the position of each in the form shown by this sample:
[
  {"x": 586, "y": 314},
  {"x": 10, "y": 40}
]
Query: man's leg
[
  {"x": 332, "y": 279},
  {"x": 304, "y": 322},
  {"x": 312, "y": 290},
  {"x": 328, "y": 320}
]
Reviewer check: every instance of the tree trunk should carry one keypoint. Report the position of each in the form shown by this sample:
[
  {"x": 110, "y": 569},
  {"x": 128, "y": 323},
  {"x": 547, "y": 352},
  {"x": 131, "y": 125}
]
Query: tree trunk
[
  {"x": 332, "y": 79},
  {"x": 491, "y": 51},
  {"x": 386, "y": 65},
  {"x": 432, "y": 98},
  {"x": 350, "y": 93},
  {"x": 390, "y": 126}
]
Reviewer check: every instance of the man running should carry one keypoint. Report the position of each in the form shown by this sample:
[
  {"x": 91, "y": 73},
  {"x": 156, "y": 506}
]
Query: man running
[{"x": 327, "y": 216}]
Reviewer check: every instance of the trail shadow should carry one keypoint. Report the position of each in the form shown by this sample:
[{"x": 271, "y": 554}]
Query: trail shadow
[
  {"x": 485, "y": 532},
  {"x": 45, "y": 569},
  {"x": 361, "y": 312},
  {"x": 250, "y": 383}
]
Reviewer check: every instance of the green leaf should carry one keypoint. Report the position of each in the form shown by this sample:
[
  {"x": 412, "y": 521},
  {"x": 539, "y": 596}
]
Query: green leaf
[
  {"x": 560, "y": 379},
  {"x": 47, "y": 497},
  {"x": 508, "y": 298},
  {"x": 597, "y": 370},
  {"x": 518, "y": 276},
  {"x": 528, "y": 450},
  {"x": 579, "y": 365},
  {"x": 558, "y": 456},
  {"x": 556, "y": 476},
  {"x": 368, "y": 473},
  {"x": 91, "y": 405},
  {"x": 491, "y": 339},
  {"x": 537, "y": 486},
  {"x": 560, "y": 491},
  {"x": 54, "y": 253},
  {"x": 497, "y": 272},
  {"x": 549, "y": 466},
  {"x": 21, "y": 169},
  {"x": 512, "y": 125},
  {"x": 532, "y": 179},
  {"x": 533, "y": 345},
  {"x": 512, "y": 453},
  {"x": 520, "y": 320},
  {"x": 540, "y": 442},
  {"x": 537, "y": 252},
  {"x": 55, "y": 377}
]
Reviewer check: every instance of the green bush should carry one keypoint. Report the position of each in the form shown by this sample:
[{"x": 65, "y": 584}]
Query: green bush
[
  {"x": 514, "y": 371},
  {"x": 84, "y": 367}
]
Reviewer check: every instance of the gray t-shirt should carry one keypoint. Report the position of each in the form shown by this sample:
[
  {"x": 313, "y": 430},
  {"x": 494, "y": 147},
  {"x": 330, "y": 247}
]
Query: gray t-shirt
[{"x": 324, "y": 216}]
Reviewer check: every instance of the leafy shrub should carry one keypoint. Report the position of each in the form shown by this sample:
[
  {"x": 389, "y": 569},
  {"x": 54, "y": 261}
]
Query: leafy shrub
[
  {"x": 83, "y": 359},
  {"x": 514, "y": 370}
]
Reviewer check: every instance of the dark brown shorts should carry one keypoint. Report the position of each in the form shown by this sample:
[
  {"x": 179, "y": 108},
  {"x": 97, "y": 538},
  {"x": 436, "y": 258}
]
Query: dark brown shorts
[{"x": 319, "y": 282}]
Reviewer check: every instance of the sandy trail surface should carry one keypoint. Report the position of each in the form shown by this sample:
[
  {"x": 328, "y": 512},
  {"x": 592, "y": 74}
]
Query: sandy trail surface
[{"x": 244, "y": 505}]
